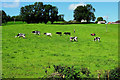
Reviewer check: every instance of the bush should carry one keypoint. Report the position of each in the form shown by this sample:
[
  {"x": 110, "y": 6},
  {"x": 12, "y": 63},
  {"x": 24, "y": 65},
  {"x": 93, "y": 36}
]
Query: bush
[
  {"x": 114, "y": 74},
  {"x": 69, "y": 72}
]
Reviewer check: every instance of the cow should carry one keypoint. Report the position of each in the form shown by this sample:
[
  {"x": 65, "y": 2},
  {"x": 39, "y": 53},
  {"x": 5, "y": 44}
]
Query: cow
[
  {"x": 93, "y": 34},
  {"x": 59, "y": 33},
  {"x": 20, "y": 35},
  {"x": 73, "y": 38},
  {"x": 97, "y": 38},
  {"x": 36, "y": 32},
  {"x": 67, "y": 33},
  {"x": 48, "y": 34}
]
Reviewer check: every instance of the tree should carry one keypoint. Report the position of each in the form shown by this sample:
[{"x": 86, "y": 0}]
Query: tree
[
  {"x": 46, "y": 13},
  {"x": 39, "y": 13},
  {"x": 61, "y": 17},
  {"x": 4, "y": 17},
  {"x": 27, "y": 14},
  {"x": 17, "y": 18},
  {"x": 99, "y": 19},
  {"x": 85, "y": 13},
  {"x": 53, "y": 14},
  {"x": 0, "y": 18}
]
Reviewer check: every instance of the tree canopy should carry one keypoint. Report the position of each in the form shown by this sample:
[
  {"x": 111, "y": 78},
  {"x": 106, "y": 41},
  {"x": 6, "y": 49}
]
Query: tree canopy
[
  {"x": 4, "y": 17},
  {"x": 84, "y": 13},
  {"x": 99, "y": 19},
  {"x": 38, "y": 13}
]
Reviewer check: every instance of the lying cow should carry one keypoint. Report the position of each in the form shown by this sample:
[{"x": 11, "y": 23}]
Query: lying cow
[
  {"x": 20, "y": 35},
  {"x": 36, "y": 32},
  {"x": 93, "y": 34},
  {"x": 97, "y": 38},
  {"x": 73, "y": 38},
  {"x": 48, "y": 34},
  {"x": 67, "y": 33},
  {"x": 59, "y": 33}
]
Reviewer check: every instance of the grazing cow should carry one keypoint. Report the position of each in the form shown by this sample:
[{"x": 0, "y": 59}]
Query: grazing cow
[
  {"x": 36, "y": 32},
  {"x": 20, "y": 35},
  {"x": 73, "y": 38},
  {"x": 97, "y": 38},
  {"x": 48, "y": 34},
  {"x": 67, "y": 33},
  {"x": 93, "y": 34},
  {"x": 59, "y": 33}
]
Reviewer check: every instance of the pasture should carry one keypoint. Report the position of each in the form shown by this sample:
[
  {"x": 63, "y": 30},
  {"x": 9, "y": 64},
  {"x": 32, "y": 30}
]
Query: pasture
[{"x": 30, "y": 57}]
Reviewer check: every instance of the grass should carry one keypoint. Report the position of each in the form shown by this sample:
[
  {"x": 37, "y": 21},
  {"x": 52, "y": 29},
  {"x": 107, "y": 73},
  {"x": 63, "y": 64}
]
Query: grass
[{"x": 30, "y": 57}]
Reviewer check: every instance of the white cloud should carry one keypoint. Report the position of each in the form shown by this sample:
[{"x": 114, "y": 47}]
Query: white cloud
[
  {"x": 13, "y": 5},
  {"x": 74, "y": 6}
]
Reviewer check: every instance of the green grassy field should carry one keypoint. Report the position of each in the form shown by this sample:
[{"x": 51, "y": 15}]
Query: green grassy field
[{"x": 30, "y": 57}]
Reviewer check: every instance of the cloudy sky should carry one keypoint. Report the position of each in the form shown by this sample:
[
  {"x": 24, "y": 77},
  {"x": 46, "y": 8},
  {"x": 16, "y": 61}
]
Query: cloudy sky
[{"x": 109, "y": 9}]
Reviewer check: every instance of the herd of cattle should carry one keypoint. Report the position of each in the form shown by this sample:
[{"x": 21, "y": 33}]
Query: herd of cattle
[{"x": 59, "y": 33}]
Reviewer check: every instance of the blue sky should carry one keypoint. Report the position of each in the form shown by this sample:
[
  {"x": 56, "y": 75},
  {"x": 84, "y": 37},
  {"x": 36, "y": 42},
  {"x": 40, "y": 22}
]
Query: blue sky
[{"x": 109, "y": 9}]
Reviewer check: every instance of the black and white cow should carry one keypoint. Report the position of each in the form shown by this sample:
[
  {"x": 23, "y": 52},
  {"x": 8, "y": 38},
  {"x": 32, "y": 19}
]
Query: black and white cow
[
  {"x": 93, "y": 34},
  {"x": 67, "y": 33},
  {"x": 73, "y": 38},
  {"x": 36, "y": 32},
  {"x": 97, "y": 38},
  {"x": 20, "y": 35},
  {"x": 59, "y": 33},
  {"x": 48, "y": 34}
]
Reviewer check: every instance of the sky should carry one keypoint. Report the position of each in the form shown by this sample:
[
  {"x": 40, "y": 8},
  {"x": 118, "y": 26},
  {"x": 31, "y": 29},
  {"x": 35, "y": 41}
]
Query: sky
[{"x": 109, "y": 9}]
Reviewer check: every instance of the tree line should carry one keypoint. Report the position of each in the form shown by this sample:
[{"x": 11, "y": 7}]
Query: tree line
[
  {"x": 39, "y": 13},
  {"x": 36, "y": 13}
]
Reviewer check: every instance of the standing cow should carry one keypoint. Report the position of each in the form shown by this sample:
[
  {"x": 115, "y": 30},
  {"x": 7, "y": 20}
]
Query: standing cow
[
  {"x": 97, "y": 38},
  {"x": 93, "y": 34},
  {"x": 36, "y": 32},
  {"x": 48, "y": 34},
  {"x": 67, "y": 33},
  {"x": 59, "y": 33},
  {"x": 20, "y": 35},
  {"x": 73, "y": 38}
]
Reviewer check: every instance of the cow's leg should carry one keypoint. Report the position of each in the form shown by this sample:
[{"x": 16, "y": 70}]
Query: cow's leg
[
  {"x": 98, "y": 40},
  {"x": 23, "y": 36},
  {"x": 76, "y": 40}
]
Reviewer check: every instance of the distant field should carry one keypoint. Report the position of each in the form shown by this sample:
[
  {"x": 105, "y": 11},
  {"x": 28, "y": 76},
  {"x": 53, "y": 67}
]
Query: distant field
[{"x": 30, "y": 57}]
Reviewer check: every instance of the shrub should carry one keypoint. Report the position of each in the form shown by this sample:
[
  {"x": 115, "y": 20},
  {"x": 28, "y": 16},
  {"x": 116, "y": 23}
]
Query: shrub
[
  {"x": 114, "y": 74},
  {"x": 69, "y": 72}
]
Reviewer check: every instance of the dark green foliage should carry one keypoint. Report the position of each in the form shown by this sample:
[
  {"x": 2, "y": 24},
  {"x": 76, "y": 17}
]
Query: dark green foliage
[
  {"x": 84, "y": 13},
  {"x": 4, "y": 17},
  {"x": 85, "y": 71},
  {"x": 0, "y": 18},
  {"x": 61, "y": 17},
  {"x": 17, "y": 18},
  {"x": 38, "y": 13},
  {"x": 99, "y": 19},
  {"x": 114, "y": 74},
  {"x": 71, "y": 72},
  {"x": 53, "y": 15}
]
